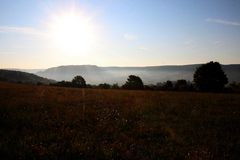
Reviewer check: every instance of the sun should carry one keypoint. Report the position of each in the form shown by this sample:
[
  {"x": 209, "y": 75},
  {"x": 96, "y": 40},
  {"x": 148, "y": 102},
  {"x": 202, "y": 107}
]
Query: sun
[{"x": 72, "y": 32}]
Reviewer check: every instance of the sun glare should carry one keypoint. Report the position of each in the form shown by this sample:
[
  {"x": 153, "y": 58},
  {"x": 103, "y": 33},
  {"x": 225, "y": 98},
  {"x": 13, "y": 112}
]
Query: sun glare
[{"x": 72, "y": 32}]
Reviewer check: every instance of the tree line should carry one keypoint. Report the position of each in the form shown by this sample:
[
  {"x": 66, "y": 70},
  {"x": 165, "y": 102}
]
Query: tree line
[{"x": 207, "y": 77}]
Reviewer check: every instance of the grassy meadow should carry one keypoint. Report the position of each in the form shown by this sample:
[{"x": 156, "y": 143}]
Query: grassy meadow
[{"x": 44, "y": 122}]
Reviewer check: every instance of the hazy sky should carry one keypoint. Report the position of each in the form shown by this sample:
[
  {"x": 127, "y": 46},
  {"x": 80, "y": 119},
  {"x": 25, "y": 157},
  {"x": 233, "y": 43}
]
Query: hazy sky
[{"x": 45, "y": 33}]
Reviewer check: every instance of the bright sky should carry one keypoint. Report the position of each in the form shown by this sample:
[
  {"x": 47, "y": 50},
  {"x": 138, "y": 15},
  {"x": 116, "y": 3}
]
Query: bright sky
[{"x": 47, "y": 33}]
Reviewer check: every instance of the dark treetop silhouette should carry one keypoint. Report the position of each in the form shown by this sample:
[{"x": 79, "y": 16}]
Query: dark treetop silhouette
[
  {"x": 210, "y": 77},
  {"x": 79, "y": 81},
  {"x": 133, "y": 82}
]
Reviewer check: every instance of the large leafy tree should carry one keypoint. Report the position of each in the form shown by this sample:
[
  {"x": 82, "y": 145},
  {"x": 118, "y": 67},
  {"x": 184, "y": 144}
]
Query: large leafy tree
[
  {"x": 79, "y": 81},
  {"x": 210, "y": 77},
  {"x": 133, "y": 82}
]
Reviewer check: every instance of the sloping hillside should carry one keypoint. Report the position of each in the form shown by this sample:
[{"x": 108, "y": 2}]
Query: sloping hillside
[{"x": 22, "y": 77}]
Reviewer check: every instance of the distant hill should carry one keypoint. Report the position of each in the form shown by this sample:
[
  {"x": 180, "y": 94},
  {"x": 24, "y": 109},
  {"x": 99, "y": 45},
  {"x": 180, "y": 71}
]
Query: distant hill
[
  {"x": 24, "y": 70},
  {"x": 150, "y": 75},
  {"x": 22, "y": 77}
]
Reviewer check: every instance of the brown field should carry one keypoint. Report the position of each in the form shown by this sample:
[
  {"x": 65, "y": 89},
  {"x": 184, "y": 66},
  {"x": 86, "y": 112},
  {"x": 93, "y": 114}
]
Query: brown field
[{"x": 43, "y": 122}]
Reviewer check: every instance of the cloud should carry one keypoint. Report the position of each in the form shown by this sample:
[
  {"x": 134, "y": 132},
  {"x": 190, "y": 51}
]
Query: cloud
[
  {"x": 129, "y": 37},
  {"x": 21, "y": 30},
  {"x": 224, "y": 22}
]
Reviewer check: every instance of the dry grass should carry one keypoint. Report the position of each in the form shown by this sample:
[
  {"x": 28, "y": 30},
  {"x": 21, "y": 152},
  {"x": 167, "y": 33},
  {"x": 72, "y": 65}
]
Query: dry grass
[{"x": 42, "y": 122}]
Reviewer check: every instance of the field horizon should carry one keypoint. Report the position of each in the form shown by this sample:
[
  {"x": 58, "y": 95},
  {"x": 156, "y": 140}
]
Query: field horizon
[{"x": 120, "y": 80}]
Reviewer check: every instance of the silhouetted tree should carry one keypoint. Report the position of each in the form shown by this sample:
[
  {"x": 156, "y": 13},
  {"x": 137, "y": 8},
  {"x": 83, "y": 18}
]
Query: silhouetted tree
[
  {"x": 181, "y": 85},
  {"x": 168, "y": 85},
  {"x": 210, "y": 77},
  {"x": 104, "y": 86},
  {"x": 63, "y": 84},
  {"x": 79, "y": 81},
  {"x": 115, "y": 86},
  {"x": 133, "y": 82},
  {"x": 150, "y": 87}
]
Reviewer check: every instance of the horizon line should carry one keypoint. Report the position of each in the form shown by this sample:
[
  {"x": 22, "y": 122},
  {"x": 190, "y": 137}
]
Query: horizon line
[{"x": 12, "y": 68}]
